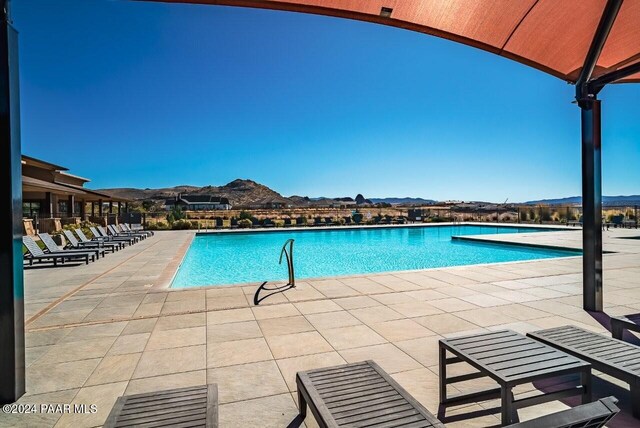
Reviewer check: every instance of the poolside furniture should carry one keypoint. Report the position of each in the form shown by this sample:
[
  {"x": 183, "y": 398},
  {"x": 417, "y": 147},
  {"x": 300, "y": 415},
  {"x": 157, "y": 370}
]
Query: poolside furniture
[
  {"x": 592, "y": 415},
  {"x": 83, "y": 238},
  {"x": 129, "y": 229},
  {"x": 52, "y": 247},
  {"x": 610, "y": 356},
  {"x": 288, "y": 222},
  {"x": 267, "y": 223},
  {"x": 120, "y": 228},
  {"x": 35, "y": 253},
  {"x": 116, "y": 236},
  {"x": 510, "y": 359},
  {"x": 117, "y": 230},
  {"x": 74, "y": 243},
  {"x": 195, "y": 406},
  {"x": 328, "y": 221},
  {"x": 359, "y": 394},
  {"x": 318, "y": 221},
  {"x": 625, "y": 322},
  {"x": 234, "y": 223}
]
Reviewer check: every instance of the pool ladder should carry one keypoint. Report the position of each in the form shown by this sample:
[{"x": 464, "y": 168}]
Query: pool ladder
[
  {"x": 289, "y": 256},
  {"x": 287, "y": 252}
]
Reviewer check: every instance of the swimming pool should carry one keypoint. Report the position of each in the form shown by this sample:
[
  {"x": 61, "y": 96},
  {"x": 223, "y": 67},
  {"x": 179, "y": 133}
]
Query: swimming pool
[{"x": 233, "y": 258}]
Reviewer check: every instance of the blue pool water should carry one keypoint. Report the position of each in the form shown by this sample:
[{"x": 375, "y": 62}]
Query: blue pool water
[{"x": 232, "y": 258}]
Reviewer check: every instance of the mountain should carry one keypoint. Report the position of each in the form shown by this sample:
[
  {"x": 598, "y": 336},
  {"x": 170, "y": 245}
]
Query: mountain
[
  {"x": 239, "y": 192},
  {"x": 246, "y": 192},
  {"x": 403, "y": 201},
  {"x": 577, "y": 200}
]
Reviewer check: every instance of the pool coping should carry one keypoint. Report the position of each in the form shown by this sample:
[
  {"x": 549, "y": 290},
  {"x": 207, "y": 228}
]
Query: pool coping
[
  {"x": 383, "y": 226},
  {"x": 171, "y": 270}
]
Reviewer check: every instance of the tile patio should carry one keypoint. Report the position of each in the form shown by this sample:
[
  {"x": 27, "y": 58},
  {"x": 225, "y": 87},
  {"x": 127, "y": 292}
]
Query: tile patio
[{"x": 96, "y": 332}]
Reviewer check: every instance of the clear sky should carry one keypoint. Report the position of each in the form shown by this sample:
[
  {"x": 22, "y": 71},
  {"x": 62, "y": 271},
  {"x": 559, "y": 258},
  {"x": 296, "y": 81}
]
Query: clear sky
[{"x": 134, "y": 94}]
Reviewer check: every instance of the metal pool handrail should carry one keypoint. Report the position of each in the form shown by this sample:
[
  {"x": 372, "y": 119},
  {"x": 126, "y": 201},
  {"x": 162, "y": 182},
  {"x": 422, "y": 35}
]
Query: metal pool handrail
[{"x": 289, "y": 256}]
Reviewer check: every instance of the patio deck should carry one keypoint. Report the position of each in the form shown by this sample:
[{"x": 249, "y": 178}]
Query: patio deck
[{"x": 96, "y": 332}]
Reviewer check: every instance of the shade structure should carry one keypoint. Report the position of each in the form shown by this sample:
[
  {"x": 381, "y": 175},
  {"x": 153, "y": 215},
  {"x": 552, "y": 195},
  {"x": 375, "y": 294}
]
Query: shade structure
[{"x": 551, "y": 35}]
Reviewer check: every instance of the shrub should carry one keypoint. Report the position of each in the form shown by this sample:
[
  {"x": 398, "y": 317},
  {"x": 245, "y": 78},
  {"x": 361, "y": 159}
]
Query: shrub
[
  {"x": 176, "y": 214},
  {"x": 278, "y": 223},
  {"x": 160, "y": 225},
  {"x": 244, "y": 215},
  {"x": 181, "y": 225},
  {"x": 245, "y": 223}
]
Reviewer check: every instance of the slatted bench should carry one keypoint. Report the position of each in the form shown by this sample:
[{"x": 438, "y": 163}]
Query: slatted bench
[
  {"x": 592, "y": 415},
  {"x": 177, "y": 408},
  {"x": 622, "y": 323},
  {"x": 357, "y": 395},
  {"x": 510, "y": 359},
  {"x": 611, "y": 356}
]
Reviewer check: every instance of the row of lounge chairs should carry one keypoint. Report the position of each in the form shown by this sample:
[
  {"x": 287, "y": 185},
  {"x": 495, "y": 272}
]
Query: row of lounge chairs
[
  {"x": 80, "y": 247},
  {"x": 363, "y": 394}
]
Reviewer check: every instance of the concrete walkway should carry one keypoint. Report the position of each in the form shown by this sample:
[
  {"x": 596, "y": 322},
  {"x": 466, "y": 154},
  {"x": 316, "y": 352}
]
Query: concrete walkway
[{"x": 99, "y": 331}]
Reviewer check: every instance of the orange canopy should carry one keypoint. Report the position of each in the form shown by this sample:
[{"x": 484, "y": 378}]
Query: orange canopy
[{"x": 551, "y": 35}]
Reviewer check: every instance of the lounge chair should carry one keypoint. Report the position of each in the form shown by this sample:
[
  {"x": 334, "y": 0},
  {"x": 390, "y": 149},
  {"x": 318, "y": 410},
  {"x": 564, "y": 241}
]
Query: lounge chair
[
  {"x": 98, "y": 235},
  {"x": 195, "y": 406},
  {"x": 75, "y": 244},
  {"x": 120, "y": 228},
  {"x": 103, "y": 232},
  {"x": 52, "y": 247},
  {"x": 614, "y": 357},
  {"x": 83, "y": 238},
  {"x": 625, "y": 322},
  {"x": 128, "y": 228},
  {"x": 117, "y": 230},
  {"x": 35, "y": 253},
  {"x": 362, "y": 394}
]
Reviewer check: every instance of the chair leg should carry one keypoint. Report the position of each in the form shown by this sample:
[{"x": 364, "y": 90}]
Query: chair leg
[
  {"x": 585, "y": 380},
  {"x": 302, "y": 404},
  {"x": 507, "y": 405},
  {"x": 616, "y": 330},
  {"x": 442, "y": 375},
  {"x": 635, "y": 398}
]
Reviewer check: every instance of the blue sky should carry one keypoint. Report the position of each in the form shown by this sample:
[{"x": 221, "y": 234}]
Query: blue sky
[{"x": 134, "y": 94}]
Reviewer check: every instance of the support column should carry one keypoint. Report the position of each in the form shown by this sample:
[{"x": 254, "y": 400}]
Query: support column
[
  {"x": 110, "y": 207},
  {"x": 12, "y": 365},
  {"x": 71, "y": 203},
  {"x": 591, "y": 205},
  {"x": 126, "y": 207},
  {"x": 93, "y": 209},
  {"x": 100, "y": 208},
  {"x": 48, "y": 205}
]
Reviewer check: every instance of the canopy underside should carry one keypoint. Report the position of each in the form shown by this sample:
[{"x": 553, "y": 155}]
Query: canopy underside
[{"x": 551, "y": 35}]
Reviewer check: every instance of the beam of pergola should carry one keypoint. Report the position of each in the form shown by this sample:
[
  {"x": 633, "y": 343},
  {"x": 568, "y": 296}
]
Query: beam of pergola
[{"x": 590, "y": 43}]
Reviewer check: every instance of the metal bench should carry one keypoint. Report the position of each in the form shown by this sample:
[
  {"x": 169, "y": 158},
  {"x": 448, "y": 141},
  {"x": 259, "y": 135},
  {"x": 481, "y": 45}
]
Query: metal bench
[
  {"x": 510, "y": 359},
  {"x": 611, "y": 356},
  {"x": 625, "y": 322},
  {"x": 359, "y": 394},
  {"x": 183, "y": 407},
  {"x": 592, "y": 415}
]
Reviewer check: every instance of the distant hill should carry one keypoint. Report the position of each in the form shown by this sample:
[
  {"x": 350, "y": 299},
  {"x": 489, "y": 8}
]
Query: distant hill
[
  {"x": 239, "y": 192},
  {"x": 577, "y": 200},
  {"x": 242, "y": 192},
  {"x": 403, "y": 201}
]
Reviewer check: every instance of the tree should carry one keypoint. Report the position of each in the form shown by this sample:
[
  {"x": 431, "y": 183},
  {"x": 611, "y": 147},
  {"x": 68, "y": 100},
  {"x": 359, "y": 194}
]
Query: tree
[{"x": 176, "y": 214}]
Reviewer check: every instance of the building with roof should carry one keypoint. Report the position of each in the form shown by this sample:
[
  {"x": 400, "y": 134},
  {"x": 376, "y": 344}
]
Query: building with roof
[
  {"x": 198, "y": 203},
  {"x": 51, "y": 197}
]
